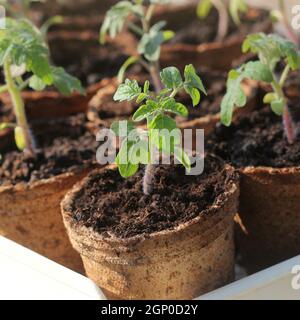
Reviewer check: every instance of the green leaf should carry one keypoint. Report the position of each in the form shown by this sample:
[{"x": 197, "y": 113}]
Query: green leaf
[
  {"x": 128, "y": 91},
  {"x": 122, "y": 128},
  {"x": 23, "y": 43},
  {"x": 170, "y": 105},
  {"x": 171, "y": 78},
  {"x": 36, "y": 83},
  {"x": 278, "y": 106},
  {"x": 116, "y": 17},
  {"x": 192, "y": 79},
  {"x": 130, "y": 61},
  {"x": 20, "y": 138},
  {"x": 126, "y": 167},
  {"x": 270, "y": 97},
  {"x": 161, "y": 122},
  {"x": 193, "y": 84},
  {"x": 194, "y": 93},
  {"x": 272, "y": 49},
  {"x": 182, "y": 157},
  {"x": 5, "y": 48},
  {"x": 259, "y": 71},
  {"x": 204, "y": 7},
  {"x": 145, "y": 111},
  {"x": 65, "y": 83},
  {"x": 234, "y": 96},
  {"x": 139, "y": 153},
  {"x": 235, "y": 7},
  {"x": 164, "y": 133},
  {"x": 146, "y": 86},
  {"x": 163, "y": 92},
  {"x": 151, "y": 42},
  {"x": 168, "y": 35},
  {"x": 141, "y": 97}
]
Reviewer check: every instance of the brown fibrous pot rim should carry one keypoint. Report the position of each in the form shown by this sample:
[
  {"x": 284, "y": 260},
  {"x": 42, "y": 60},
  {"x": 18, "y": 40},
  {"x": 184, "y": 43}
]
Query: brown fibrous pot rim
[
  {"x": 22, "y": 186},
  {"x": 233, "y": 188},
  {"x": 270, "y": 170}
]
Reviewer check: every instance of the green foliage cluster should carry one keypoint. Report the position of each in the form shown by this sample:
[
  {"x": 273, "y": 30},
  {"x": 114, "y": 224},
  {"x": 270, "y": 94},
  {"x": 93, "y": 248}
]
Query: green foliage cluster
[
  {"x": 271, "y": 49},
  {"x": 136, "y": 16},
  {"x": 25, "y": 59},
  {"x": 156, "y": 109}
]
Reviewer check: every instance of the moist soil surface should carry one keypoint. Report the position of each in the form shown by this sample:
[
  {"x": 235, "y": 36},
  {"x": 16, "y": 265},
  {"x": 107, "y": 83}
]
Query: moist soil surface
[
  {"x": 112, "y": 205},
  {"x": 65, "y": 145},
  {"x": 197, "y": 31},
  {"x": 257, "y": 140}
]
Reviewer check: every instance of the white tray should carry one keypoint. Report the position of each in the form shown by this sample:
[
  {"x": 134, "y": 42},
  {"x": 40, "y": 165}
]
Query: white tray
[{"x": 27, "y": 275}]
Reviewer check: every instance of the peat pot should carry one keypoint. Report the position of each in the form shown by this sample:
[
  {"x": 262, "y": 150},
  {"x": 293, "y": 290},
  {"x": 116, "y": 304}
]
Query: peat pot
[{"x": 183, "y": 262}]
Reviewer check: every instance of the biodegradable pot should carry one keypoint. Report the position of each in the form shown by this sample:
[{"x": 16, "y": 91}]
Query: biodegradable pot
[
  {"x": 183, "y": 263},
  {"x": 81, "y": 6},
  {"x": 269, "y": 216},
  {"x": 30, "y": 211},
  {"x": 52, "y": 104},
  {"x": 30, "y": 215},
  {"x": 46, "y": 105}
]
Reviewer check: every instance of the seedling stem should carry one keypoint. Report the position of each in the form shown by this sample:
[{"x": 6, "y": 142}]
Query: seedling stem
[{"x": 19, "y": 108}]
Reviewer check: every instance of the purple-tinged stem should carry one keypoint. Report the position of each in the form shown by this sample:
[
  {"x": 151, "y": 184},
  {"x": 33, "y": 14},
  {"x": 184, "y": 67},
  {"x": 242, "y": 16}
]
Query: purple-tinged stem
[{"x": 289, "y": 126}]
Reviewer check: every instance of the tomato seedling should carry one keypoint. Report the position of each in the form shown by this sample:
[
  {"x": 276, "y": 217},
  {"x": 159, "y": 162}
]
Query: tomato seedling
[
  {"x": 162, "y": 134},
  {"x": 271, "y": 50},
  {"x": 136, "y": 16},
  {"x": 24, "y": 57},
  {"x": 21, "y": 9}
]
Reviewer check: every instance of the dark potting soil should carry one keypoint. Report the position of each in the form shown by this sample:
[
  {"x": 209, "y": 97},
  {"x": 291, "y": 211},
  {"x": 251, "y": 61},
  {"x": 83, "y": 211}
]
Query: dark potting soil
[
  {"x": 197, "y": 31},
  {"x": 112, "y": 205},
  {"x": 257, "y": 140},
  {"x": 65, "y": 145}
]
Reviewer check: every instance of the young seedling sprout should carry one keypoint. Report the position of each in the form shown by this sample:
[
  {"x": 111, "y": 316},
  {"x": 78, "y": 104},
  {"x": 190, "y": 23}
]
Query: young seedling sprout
[
  {"x": 271, "y": 49},
  {"x": 151, "y": 37},
  {"x": 138, "y": 145},
  {"x": 21, "y": 9},
  {"x": 281, "y": 15},
  {"x": 24, "y": 57},
  {"x": 234, "y": 8}
]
